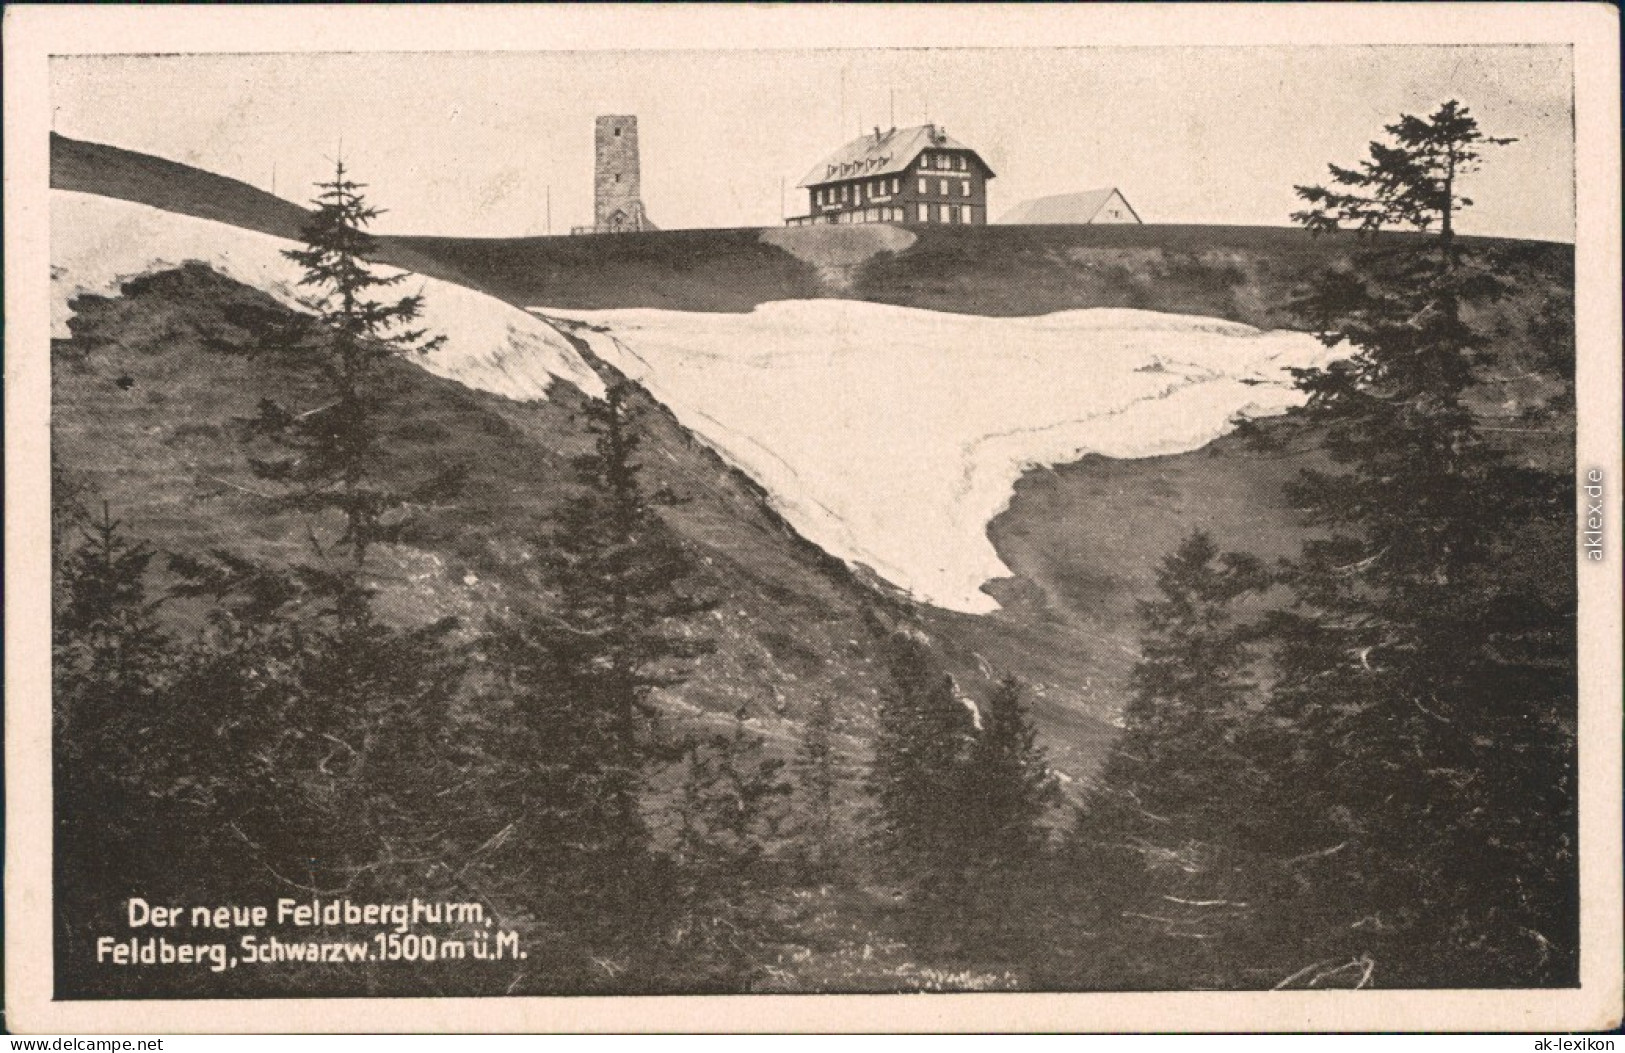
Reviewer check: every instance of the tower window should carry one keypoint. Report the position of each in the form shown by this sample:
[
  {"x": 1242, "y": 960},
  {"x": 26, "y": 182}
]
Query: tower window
[{"x": 617, "y": 131}]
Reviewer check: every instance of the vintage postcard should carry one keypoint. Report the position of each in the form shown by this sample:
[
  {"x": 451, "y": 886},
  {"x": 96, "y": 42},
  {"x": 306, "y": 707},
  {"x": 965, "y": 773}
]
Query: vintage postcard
[{"x": 713, "y": 518}]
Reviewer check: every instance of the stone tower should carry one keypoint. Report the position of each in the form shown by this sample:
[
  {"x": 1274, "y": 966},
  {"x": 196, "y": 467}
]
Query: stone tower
[{"x": 617, "y": 194}]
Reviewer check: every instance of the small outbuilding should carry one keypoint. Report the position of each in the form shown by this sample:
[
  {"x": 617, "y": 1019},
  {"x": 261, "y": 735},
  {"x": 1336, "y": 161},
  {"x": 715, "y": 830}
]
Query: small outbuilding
[{"x": 1106, "y": 205}]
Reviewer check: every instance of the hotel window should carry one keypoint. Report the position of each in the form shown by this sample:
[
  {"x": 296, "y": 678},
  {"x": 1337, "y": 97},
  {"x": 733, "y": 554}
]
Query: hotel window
[
  {"x": 843, "y": 191},
  {"x": 818, "y": 197},
  {"x": 959, "y": 163},
  {"x": 925, "y": 160},
  {"x": 964, "y": 214},
  {"x": 925, "y": 212},
  {"x": 942, "y": 160},
  {"x": 897, "y": 186},
  {"x": 942, "y": 187},
  {"x": 945, "y": 213},
  {"x": 964, "y": 188},
  {"x": 923, "y": 189}
]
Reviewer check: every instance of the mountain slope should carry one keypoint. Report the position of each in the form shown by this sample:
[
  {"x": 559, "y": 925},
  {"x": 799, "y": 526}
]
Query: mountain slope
[
  {"x": 148, "y": 386},
  {"x": 1081, "y": 541},
  {"x": 1242, "y": 274}
]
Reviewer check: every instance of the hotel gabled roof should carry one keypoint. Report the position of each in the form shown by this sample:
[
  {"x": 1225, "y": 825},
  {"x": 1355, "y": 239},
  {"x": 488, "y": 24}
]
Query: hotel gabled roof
[{"x": 885, "y": 153}]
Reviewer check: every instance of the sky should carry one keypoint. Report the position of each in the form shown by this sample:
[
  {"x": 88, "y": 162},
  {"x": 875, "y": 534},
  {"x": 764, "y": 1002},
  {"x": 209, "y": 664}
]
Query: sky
[{"x": 501, "y": 143}]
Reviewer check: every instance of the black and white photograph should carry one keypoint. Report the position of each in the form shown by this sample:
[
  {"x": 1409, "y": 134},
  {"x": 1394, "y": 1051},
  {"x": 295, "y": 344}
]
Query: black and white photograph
[{"x": 554, "y": 515}]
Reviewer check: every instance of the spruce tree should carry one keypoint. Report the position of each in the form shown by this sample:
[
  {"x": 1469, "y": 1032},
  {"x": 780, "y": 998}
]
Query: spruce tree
[
  {"x": 1166, "y": 844},
  {"x": 620, "y": 579},
  {"x": 917, "y": 779},
  {"x": 327, "y": 457},
  {"x": 1186, "y": 725},
  {"x": 338, "y": 719},
  {"x": 112, "y": 665},
  {"x": 1009, "y": 796},
  {"x": 816, "y": 780},
  {"x": 1421, "y": 725},
  {"x": 1011, "y": 788},
  {"x": 578, "y": 664},
  {"x": 730, "y": 811}
]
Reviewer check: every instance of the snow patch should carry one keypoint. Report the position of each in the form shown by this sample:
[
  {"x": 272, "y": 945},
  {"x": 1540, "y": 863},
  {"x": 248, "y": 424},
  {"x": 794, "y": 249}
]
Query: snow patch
[
  {"x": 98, "y": 242},
  {"x": 891, "y": 436}
]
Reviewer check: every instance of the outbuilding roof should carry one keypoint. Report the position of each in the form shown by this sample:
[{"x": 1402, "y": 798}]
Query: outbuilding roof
[
  {"x": 1081, "y": 207},
  {"x": 885, "y": 153}
]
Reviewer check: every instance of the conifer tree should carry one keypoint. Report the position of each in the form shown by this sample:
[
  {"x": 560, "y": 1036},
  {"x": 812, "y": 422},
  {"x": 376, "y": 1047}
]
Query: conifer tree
[
  {"x": 111, "y": 667},
  {"x": 620, "y": 580},
  {"x": 339, "y": 719},
  {"x": 1187, "y": 723},
  {"x": 1166, "y": 844},
  {"x": 731, "y": 808},
  {"x": 816, "y": 780},
  {"x": 329, "y": 454},
  {"x": 1009, "y": 795},
  {"x": 1420, "y": 728},
  {"x": 578, "y": 666},
  {"x": 1011, "y": 787},
  {"x": 917, "y": 779}
]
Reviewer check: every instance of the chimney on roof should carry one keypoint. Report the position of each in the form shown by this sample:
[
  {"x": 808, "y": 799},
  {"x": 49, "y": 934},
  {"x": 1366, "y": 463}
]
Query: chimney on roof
[{"x": 877, "y": 133}]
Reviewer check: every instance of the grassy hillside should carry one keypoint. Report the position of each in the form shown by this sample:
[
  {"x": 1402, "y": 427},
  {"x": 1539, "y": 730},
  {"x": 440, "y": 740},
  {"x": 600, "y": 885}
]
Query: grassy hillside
[
  {"x": 146, "y": 391},
  {"x": 1082, "y": 540},
  {"x": 95, "y": 168},
  {"x": 1245, "y": 274}
]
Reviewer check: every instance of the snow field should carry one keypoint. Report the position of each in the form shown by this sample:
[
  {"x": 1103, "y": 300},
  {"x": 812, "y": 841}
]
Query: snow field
[
  {"x": 96, "y": 242},
  {"x": 891, "y": 436}
]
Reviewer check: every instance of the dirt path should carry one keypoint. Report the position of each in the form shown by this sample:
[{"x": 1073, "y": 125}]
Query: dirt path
[{"x": 837, "y": 251}]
